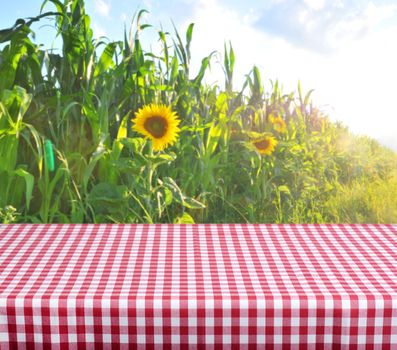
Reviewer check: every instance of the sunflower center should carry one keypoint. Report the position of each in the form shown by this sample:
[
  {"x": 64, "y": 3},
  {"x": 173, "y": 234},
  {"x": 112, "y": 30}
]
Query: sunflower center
[
  {"x": 263, "y": 144},
  {"x": 157, "y": 126}
]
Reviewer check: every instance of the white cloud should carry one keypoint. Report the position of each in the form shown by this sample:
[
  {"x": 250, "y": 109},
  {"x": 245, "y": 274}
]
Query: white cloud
[
  {"x": 98, "y": 30},
  {"x": 323, "y": 26},
  {"x": 315, "y": 4},
  {"x": 338, "y": 4},
  {"x": 376, "y": 14},
  {"x": 357, "y": 83},
  {"x": 215, "y": 24},
  {"x": 358, "y": 25},
  {"x": 102, "y": 7}
]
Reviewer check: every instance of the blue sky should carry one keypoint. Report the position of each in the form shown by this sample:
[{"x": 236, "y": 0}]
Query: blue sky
[{"x": 344, "y": 49}]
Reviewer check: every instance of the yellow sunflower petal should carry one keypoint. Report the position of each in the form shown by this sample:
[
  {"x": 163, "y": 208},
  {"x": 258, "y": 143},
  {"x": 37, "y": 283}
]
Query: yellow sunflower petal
[
  {"x": 278, "y": 124},
  {"x": 157, "y": 123},
  {"x": 265, "y": 145}
]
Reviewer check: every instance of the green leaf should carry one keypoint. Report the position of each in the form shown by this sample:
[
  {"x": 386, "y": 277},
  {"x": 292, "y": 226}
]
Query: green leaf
[
  {"x": 213, "y": 138},
  {"x": 168, "y": 196},
  {"x": 164, "y": 158},
  {"x": 258, "y": 87},
  {"x": 232, "y": 58},
  {"x": 284, "y": 189},
  {"x": 106, "y": 59},
  {"x": 134, "y": 144},
  {"x": 107, "y": 198},
  {"x": 221, "y": 105},
  {"x": 174, "y": 69},
  {"x": 204, "y": 65},
  {"x": 307, "y": 97},
  {"x": 184, "y": 219},
  {"x": 189, "y": 34},
  {"x": 96, "y": 156},
  {"x": 192, "y": 203},
  {"x": 29, "y": 181},
  {"x": 122, "y": 132},
  {"x": 179, "y": 197}
]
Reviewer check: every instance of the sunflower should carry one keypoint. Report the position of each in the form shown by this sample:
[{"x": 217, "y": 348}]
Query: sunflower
[
  {"x": 265, "y": 145},
  {"x": 158, "y": 123},
  {"x": 278, "y": 124}
]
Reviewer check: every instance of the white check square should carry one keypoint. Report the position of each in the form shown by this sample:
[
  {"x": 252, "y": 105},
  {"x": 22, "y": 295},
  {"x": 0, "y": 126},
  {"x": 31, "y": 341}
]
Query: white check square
[
  {"x": 38, "y": 338},
  {"x": 175, "y": 339},
  {"x": 311, "y": 322},
  {"x": 311, "y": 338},
  {"x": 72, "y": 337},
  {"x": 124, "y": 339},
  {"x": 174, "y": 304},
  {"x": 55, "y": 338},
  {"x": 295, "y": 322},
  {"x": 20, "y": 320},
  {"x": 226, "y": 304},
  {"x": 260, "y": 339},
  {"x": 192, "y": 321},
  {"x": 192, "y": 339},
  {"x": 123, "y": 321},
  {"x": 107, "y": 338},
  {"x": 209, "y": 321},
  {"x": 141, "y": 339},
  {"x": 209, "y": 339},
  {"x": 328, "y": 338},
  {"x": 158, "y": 339},
  {"x": 243, "y": 338},
  {"x": 227, "y": 321},
  {"x": 88, "y": 320},
  {"x": 227, "y": 338},
  {"x": 140, "y": 321},
  {"x": 277, "y": 322},
  {"x": 244, "y": 321},
  {"x": 278, "y": 339},
  {"x": 106, "y": 321}
]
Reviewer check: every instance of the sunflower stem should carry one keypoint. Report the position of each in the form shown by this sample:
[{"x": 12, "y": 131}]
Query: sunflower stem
[{"x": 151, "y": 169}]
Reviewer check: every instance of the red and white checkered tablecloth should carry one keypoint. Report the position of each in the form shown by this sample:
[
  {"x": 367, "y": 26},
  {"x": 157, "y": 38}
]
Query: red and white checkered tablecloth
[{"x": 180, "y": 286}]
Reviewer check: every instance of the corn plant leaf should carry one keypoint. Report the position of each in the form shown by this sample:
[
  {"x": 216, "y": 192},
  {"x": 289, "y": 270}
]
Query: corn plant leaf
[
  {"x": 214, "y": 135},
  {"x": 221, "y": 104},
  {"x": 122, "y": 132},
  {"x": 106, "y": 59},
  {"x": 29, "y": 182}
]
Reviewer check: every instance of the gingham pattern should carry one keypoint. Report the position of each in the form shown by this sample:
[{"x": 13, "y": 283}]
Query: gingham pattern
[{"x": 239, "y": 286}]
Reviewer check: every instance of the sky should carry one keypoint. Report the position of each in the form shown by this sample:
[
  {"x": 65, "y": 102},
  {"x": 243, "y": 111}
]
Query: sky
[{"x": 346, "y": 50}]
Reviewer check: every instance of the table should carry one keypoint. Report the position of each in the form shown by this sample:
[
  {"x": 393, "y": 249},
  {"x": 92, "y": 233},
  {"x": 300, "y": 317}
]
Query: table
[{"x": 180, "y": 286}]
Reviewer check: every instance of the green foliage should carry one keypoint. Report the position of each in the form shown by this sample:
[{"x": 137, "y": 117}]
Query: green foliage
[
  {"x": 364, "y": 201},
  {"x": 79, "y": 105},
  {"x": 8, "y": 215}
]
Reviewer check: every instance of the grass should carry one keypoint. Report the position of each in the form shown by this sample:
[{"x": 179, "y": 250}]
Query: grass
[{"x": 82, "y": 102}]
